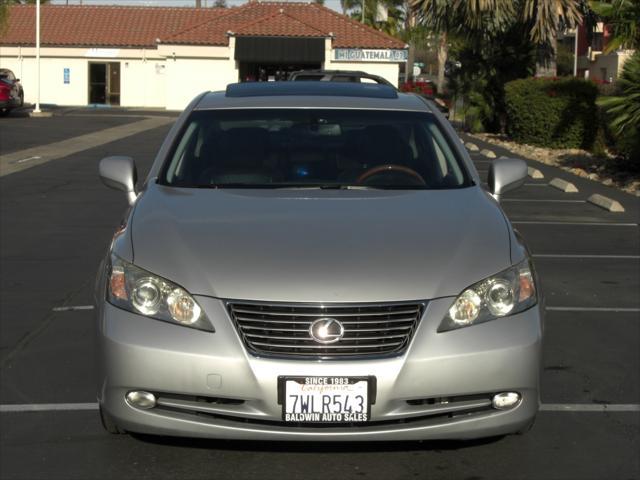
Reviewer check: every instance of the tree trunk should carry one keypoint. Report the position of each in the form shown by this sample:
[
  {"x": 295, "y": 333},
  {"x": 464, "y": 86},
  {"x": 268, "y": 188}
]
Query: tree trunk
[
  {"x": 546, "y": 65},
  {"x": 198, "y": 3},
  {"x": 443, "y": 51}
]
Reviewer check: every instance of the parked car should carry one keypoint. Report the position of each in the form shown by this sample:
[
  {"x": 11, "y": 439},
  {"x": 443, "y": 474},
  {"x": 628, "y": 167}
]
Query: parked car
[
  {"x": 11, "y": 92},
  {"x": 348, "y": 76},
  {"x": 316, "y": 261}
]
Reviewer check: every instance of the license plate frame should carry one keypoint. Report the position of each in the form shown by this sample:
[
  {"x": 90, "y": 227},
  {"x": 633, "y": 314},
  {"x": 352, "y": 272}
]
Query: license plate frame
[{"x": 345, "y": 417}]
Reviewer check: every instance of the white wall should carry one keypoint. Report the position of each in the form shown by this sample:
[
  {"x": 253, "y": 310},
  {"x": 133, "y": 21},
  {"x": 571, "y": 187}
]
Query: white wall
[
  {"x": 143, "y": 83},
  {"x": 188, "y": 77},
  {"x": 613, "y": 62},
  {"x": 191, "y": 70},
  {"x": 142, "y": 78},
  {"x": 53, "y": 90}
]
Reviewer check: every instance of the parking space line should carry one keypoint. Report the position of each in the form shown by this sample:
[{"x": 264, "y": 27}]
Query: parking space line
[
  {"x": 589, "y": 407},
  {"x": 47, "y": 407},
  {"x": 543, "y": 200},
  {"x": 555, "y": 222},
  {"x": 609, "y": 257},
  {"x": 72, "y": 308},
  {"x": 593, "y": 309},
  {"x": 545, "y": 407}
]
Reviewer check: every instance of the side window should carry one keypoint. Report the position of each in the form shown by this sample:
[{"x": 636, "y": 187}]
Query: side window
[
  {"x": 444, "y": 154},
  {"x": 184, "y": 151}
]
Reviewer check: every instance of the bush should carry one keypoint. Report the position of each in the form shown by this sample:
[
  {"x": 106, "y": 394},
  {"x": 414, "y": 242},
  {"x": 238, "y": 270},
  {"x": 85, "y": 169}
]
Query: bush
[
  {"x": 623, "y": 110},
  {"x": 552, "y": 112}
]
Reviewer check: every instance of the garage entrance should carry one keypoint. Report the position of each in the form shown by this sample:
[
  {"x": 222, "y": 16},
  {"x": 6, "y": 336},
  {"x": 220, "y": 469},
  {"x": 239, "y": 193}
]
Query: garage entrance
[
  {"x": 104, "y": 83},
  {"x": 273, "y": 58}
]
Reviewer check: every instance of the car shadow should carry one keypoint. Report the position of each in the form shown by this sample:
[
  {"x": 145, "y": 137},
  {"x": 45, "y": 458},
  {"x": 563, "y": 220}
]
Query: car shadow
[{"x": 315, "y": 447}]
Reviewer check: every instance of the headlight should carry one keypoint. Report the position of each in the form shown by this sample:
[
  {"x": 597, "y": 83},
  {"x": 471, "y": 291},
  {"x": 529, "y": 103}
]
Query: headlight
[
  {"x": 144, "y": 293},
  {"x": 506, "y": 293}
]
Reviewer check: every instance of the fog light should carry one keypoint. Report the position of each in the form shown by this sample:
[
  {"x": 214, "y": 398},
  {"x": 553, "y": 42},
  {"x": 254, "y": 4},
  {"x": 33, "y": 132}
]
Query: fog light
[
  {"x": 139, "y": 399},
  {"x": 505, "y": 400}
]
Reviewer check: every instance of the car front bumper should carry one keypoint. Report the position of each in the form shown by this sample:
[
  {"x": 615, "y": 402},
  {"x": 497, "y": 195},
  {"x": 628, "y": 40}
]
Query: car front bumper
[{"x": 208, "y": 385}]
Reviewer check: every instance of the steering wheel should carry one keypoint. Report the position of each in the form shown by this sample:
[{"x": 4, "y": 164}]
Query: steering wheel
[{"x": 390, "y": 168}]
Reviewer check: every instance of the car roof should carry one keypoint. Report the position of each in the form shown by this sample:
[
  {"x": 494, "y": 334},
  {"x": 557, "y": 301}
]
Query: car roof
[{"x": 312, "y": 95}]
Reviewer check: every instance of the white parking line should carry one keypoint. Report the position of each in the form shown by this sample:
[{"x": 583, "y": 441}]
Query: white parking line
[
  {"x": 545, "y": 200},
  {"x": 591, "y": 224},
  {"x": 47, "y": 407},
  {"x": 24, "y": 160},
  {"x": 545, "y": 407},
  {"x": 593, "y": 309},
  {"x": 589, "y": 407},
  {"x": 608, "y": 257},
  {"x": 72, "y": 308}
]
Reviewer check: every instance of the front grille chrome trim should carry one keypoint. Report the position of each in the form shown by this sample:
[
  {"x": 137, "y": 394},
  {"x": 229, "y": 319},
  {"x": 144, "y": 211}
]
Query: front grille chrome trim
[{"x": 282, "y": 330}]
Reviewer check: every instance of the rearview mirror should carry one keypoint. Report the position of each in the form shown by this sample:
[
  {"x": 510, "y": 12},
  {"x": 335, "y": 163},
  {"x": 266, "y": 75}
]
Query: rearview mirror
[
  {"x": 120, "y": 173},
  {"x": 506, "y": 174}
]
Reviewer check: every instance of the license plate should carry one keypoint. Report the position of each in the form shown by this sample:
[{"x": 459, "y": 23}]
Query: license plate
[{"x": 326, "y": 399}]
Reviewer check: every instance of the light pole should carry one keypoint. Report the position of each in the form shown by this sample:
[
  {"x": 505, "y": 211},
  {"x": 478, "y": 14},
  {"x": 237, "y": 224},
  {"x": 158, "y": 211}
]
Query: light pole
[
  {"x": 37, "y": 109},
  {"x": 575, "y": 52}
]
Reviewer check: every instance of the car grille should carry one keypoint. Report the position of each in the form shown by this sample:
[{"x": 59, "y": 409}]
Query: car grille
[{"x": 282, "y": 330}]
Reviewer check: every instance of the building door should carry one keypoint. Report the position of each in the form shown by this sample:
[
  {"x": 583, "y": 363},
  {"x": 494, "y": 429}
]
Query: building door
[
  {"x": 274, "y": 58},
  {"x": 104, "y": 83}
]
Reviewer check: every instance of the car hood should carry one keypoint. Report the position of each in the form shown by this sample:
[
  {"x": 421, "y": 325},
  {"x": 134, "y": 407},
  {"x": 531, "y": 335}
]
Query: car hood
[{"x": 320, "y": 245}]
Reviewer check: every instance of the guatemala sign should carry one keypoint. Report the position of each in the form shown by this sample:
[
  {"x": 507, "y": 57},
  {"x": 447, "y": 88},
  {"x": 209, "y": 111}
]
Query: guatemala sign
[{"x": 368, "y": 55}]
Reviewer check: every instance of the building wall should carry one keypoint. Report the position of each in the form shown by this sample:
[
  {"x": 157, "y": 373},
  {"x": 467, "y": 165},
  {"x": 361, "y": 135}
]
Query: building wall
[
  {"x": 193, "y": 70},
  {"x": 167, "y": 77},
  {"x": 142, "y": 79}
]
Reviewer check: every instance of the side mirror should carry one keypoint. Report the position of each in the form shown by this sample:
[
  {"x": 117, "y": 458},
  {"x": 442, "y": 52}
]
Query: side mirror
[
  {"x": 120, "y": 173},
  {"x": 17, "y": 80},
  {"x": 506, "y": 174}
]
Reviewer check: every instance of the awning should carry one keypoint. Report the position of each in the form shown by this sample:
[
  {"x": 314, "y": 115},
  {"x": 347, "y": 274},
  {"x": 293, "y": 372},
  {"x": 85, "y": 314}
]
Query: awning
[{"x": 279, "y": 49}]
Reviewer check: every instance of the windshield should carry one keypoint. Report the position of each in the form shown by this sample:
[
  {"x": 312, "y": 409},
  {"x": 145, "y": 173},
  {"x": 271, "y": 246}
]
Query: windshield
[{"x": 313, "y": 148}]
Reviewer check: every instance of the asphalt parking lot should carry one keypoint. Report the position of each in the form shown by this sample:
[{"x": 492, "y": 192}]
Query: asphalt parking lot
[{"x": 56, "y": 219}]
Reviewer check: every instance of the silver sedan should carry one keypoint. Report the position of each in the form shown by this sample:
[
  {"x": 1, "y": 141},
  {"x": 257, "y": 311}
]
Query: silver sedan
[{"x": 316, "y": 261}]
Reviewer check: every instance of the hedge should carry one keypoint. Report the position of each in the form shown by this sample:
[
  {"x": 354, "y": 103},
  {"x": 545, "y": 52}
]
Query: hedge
[{"x": 552, "y": 112}]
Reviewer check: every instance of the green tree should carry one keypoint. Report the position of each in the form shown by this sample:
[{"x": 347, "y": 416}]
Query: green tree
[
  {"x": 546, "y": 18},
  {"x": 623, "y": 109},
  {"x": 624, "y": 17},
  {"x": 468, "y": 18}
]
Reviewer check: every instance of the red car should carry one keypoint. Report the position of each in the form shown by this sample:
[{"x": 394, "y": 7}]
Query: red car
[{"x": 11, "y": 93}]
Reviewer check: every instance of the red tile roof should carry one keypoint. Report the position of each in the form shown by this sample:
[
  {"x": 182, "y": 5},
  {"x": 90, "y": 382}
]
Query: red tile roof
[
  {"x": 114, "y": 26},
  {"x": 279, "y": 24}
]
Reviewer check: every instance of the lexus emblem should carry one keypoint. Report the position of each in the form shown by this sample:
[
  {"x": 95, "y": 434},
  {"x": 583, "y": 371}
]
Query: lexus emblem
[{"x": 326, "y": 330}]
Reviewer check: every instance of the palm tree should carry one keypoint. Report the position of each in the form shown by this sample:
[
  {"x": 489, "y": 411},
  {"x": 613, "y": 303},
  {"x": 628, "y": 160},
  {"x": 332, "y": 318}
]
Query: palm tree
[
  {"x": 624, "y": 17},
  {"x": 465, "y": 17},
  {"x": 623, "y": 109},
  {"x": 546, "y": 18}
]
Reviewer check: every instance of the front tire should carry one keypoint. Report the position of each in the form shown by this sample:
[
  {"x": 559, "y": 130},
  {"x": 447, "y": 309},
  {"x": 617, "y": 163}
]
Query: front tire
[{"x": 109, "y": 424}]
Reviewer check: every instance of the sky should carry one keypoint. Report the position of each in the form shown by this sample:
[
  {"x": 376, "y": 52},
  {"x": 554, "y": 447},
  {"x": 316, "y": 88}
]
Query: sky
[{"x": 333, "y": 4}]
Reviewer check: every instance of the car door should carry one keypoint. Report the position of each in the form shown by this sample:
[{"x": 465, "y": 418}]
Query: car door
[{"x": 15, "y": 89}]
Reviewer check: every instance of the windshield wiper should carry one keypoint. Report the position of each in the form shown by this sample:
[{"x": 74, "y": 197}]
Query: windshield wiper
[{"x": 308, "y": 186}]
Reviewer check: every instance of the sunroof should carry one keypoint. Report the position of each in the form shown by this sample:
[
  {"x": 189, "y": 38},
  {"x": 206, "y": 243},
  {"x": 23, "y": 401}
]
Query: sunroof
[{"x": 310, "y": 88}]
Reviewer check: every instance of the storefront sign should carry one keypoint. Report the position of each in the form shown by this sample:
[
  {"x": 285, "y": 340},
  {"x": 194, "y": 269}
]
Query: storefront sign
[
  {"x": 102, "y": 52},
  {"x": 367, "y": 55},
  {"x": 67, "y": 76}
]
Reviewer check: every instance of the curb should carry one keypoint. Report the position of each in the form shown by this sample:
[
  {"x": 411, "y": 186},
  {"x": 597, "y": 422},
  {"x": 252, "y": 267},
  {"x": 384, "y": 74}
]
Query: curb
[
  {"x": 605, "y": 202},
  {"x": 487, "y": 153},
  {"x": 472, "y": 147},
  {"x": 563, "y": 185},
  {"x": 534, "y": 172}
]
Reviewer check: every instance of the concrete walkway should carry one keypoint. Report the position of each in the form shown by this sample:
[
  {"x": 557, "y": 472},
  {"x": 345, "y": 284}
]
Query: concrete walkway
[{"x": 31, "y": 157}]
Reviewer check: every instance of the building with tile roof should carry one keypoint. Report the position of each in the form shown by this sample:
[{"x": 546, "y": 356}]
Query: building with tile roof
[{"x": 164, "y": 56}]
